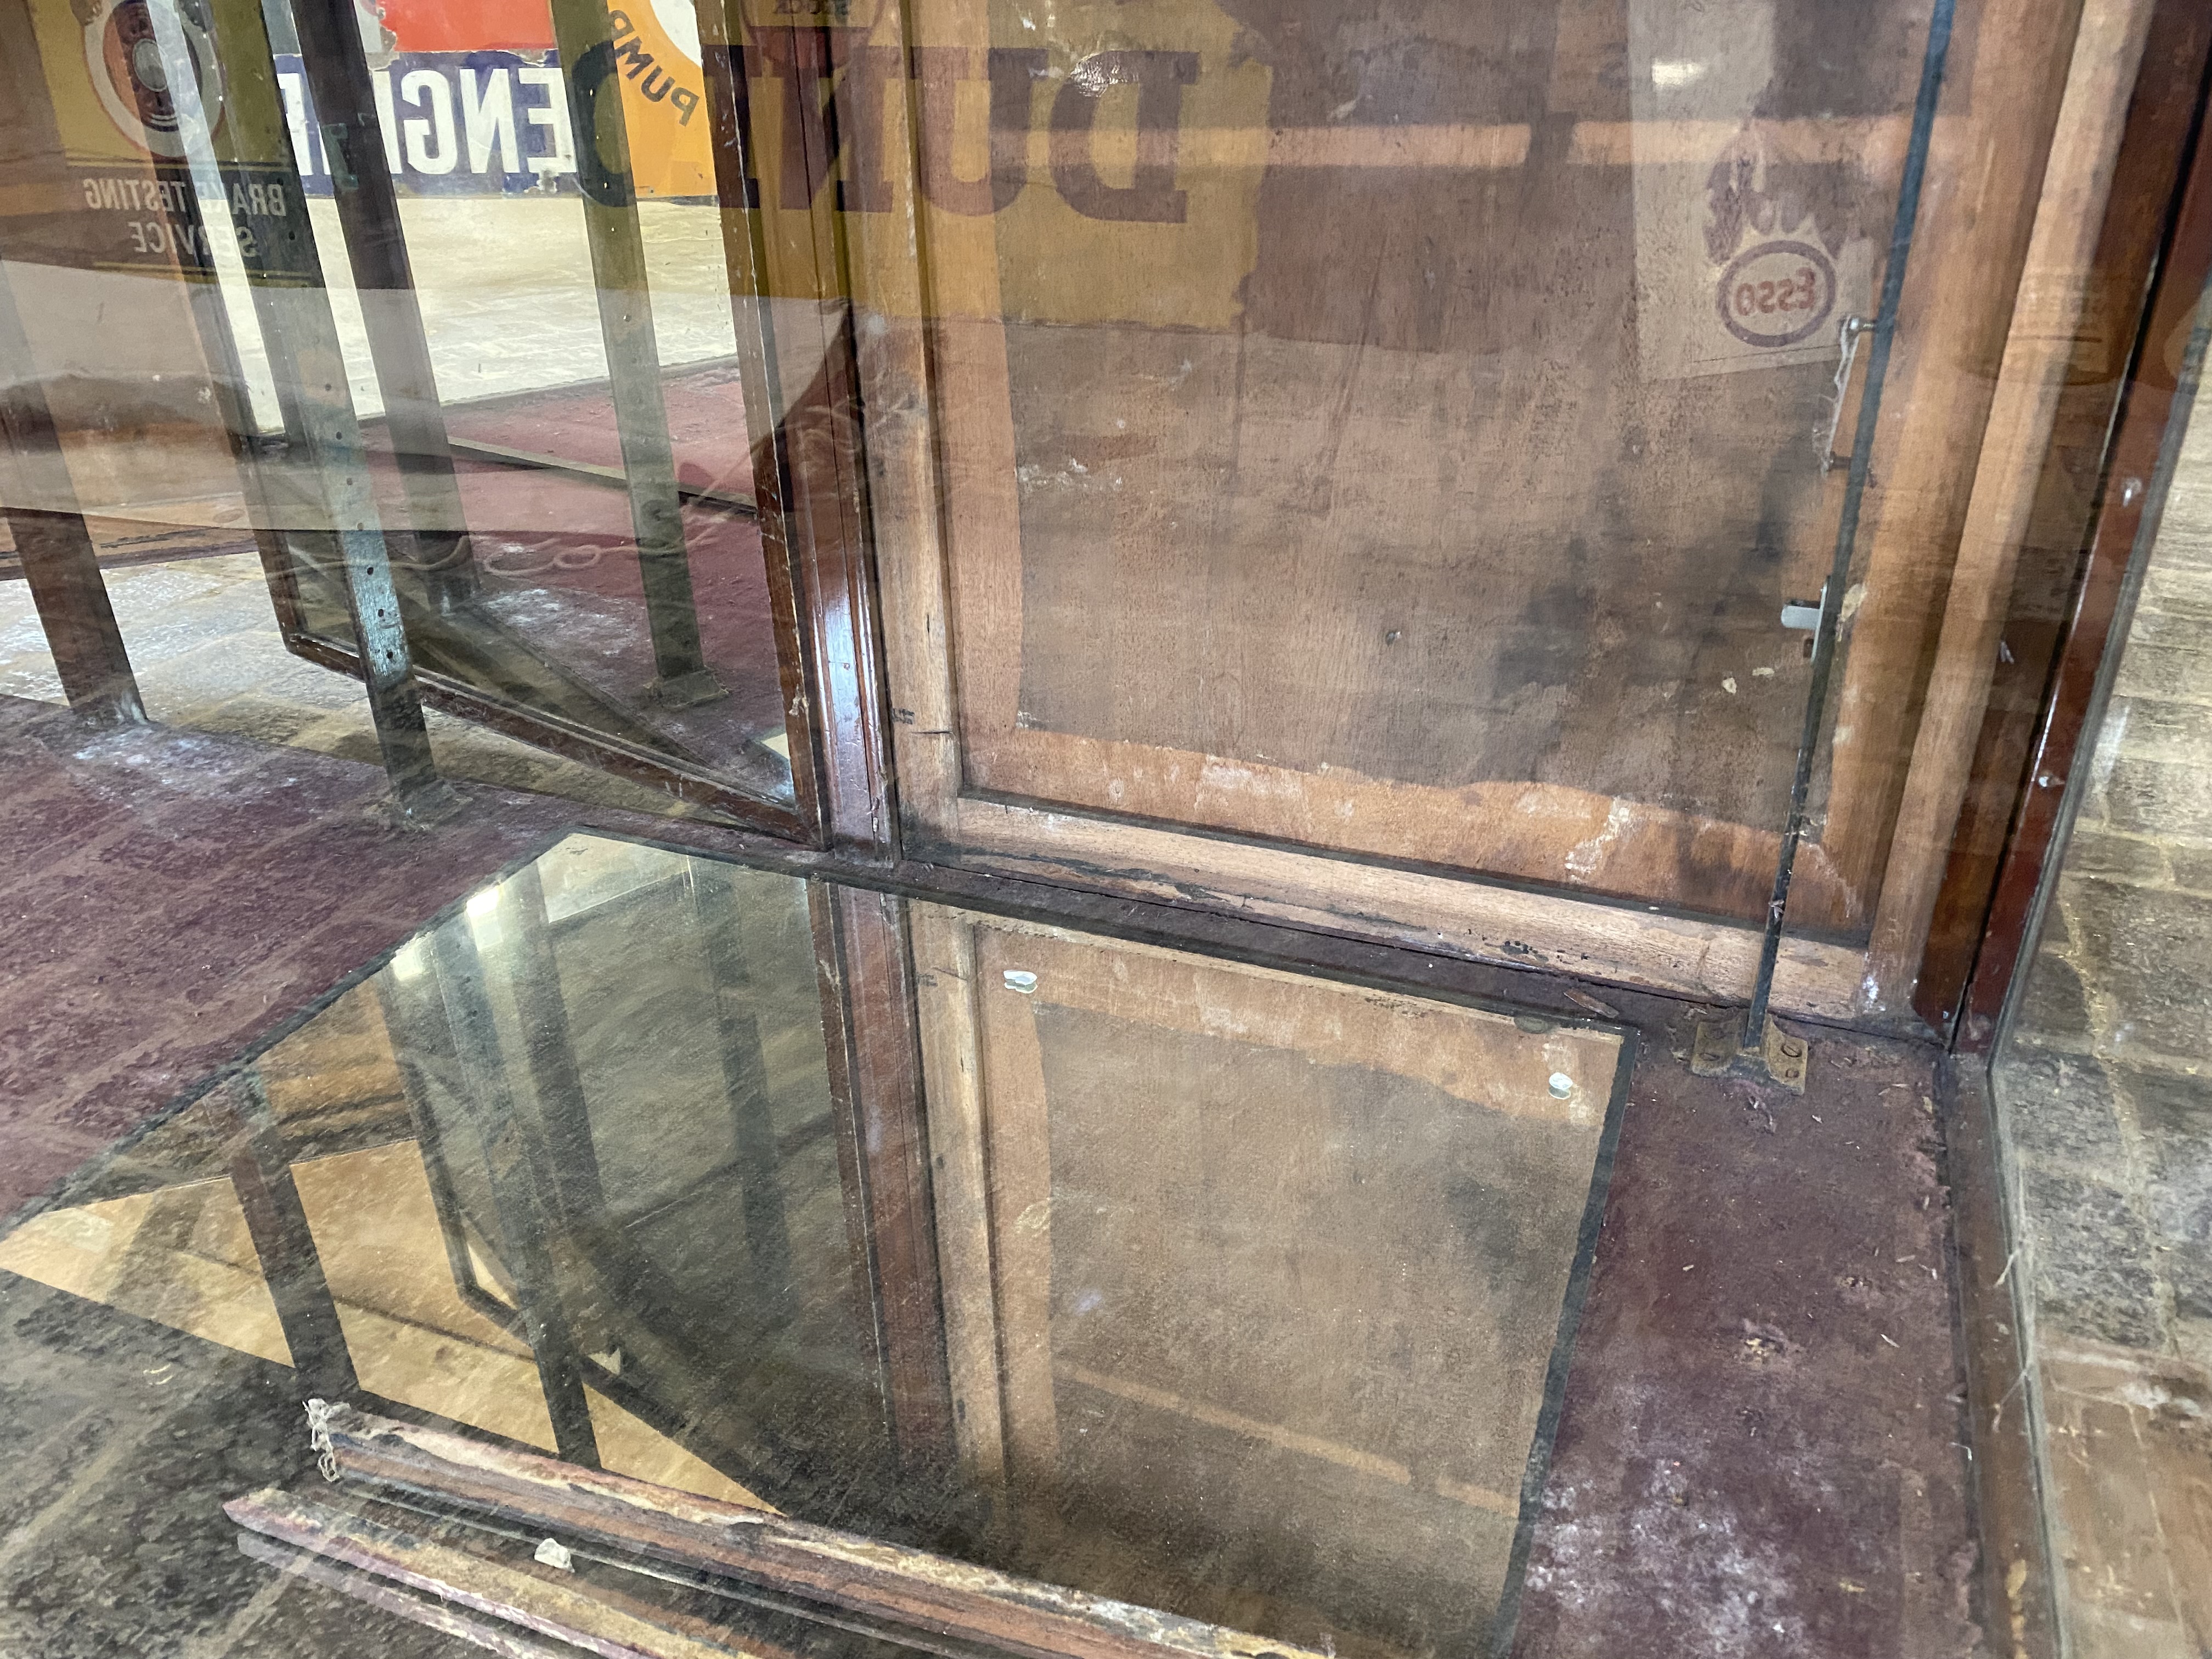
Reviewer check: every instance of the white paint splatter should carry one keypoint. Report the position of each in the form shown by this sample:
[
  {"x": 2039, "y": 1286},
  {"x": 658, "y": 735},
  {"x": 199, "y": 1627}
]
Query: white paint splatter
[{"x": 1588, "y": 855}]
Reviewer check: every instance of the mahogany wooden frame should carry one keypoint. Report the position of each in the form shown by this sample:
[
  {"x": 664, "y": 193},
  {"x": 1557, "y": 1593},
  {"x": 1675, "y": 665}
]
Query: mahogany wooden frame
[
  {"x": 859, "y": 514},
  {"x": 2153, "y": 262},
  {"x": 875, "y": 1079},
  {"x": 1894, "y": 831},
  {"x": 989, "y": 1132}
]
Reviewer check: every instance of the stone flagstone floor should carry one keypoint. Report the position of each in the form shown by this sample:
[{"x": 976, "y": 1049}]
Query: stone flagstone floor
[{"x": 2106, "y": 1093}]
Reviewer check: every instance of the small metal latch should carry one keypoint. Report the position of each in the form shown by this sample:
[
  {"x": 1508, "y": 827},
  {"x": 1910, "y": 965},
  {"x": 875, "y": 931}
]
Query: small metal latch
[{"x": 1803, "y": 614}]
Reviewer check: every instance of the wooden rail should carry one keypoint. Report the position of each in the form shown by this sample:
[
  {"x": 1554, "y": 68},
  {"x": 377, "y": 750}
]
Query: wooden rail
[{"x": 902, "y": 1590}]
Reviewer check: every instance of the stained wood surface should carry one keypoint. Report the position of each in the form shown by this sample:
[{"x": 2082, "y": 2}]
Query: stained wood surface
[
  {"x": 2039, "y": 353},
  {"x": 900, "y": 1586},
  {"x": 1975, "y": 221},
  {"x": 1314, "y": 574},
  {"x": 875, "y": 1073},
  {"x": 536, "y": 1602},
  {"x": 1483, "y": 1059},
  {"x": 1017, "y": 1149},
  {"x": 1405, "y": 538},
  {"x": 422, "y": 1610},
  {"x": 2121, "y": 526},
  {"x": 945, "y": 973},
  {"x": 1498, "y": 924}
]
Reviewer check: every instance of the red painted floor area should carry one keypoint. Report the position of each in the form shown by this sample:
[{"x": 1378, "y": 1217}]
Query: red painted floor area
[
  {"x": 169, "y": 897},
  {"x": 558, "y": 551},
  {"x": 706, "y": 410},
  {"x": 1761, "y": 1449}
]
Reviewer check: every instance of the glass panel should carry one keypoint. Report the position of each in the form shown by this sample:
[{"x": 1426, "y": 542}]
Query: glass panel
[
  {"x": 1402, "y": 434},
  {"x": 2103, "y": 1078},
  {"x": 1275, "y": 1271},
  {"x": 1247, "y": 1291},
  {"x": 402, "y": 312}
]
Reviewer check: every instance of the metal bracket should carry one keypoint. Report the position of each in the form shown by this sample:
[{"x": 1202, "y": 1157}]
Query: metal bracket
[
  {"x": 1804, "y": 614},
  {"x": 1777, "y": 1057},
  {"x": 688, "y": 690}
]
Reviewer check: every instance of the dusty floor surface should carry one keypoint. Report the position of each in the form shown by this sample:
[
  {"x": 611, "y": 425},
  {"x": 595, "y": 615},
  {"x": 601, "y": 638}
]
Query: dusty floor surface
[
  {"x": 1760, "y": 1450},
  {"x": 1756, "y": 1452}
]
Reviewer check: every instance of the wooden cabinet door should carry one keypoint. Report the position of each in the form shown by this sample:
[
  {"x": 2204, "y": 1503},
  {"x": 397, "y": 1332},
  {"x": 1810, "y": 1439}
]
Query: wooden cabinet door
[{"x": 1350, "y": 463}]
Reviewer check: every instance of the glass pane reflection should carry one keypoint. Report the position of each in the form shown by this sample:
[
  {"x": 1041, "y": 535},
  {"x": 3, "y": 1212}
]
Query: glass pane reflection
[
  {"x": 266, "y": 332},
  {"x": 1241, "y": 1289}
]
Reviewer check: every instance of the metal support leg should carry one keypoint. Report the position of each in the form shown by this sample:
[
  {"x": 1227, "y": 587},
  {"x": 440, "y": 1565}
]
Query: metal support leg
[
  {"x": 59, "y": 561},
  {"x": 423, "y": 1049},
  {"x": 285, "y": 548},
  {"x": 582, "y": 31},
  {"x": 514, "y": 1161},
  {"x": 58, "y": 558},
  {"x": 563, "y": 1111},
  {"x": 1757, "y": 1046},
  {"x": 63, "y": 570},
  {"x": 745, "y": 1072},
  {"x": 368, "y": 212},
  {"x": 252, "y": 146},
  {"x": 261, "y": 1172}
]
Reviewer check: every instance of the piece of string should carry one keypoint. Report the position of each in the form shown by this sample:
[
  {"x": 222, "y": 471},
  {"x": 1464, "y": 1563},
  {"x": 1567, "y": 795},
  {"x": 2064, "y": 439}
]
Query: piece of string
[{"x": 319, "y": 1413}]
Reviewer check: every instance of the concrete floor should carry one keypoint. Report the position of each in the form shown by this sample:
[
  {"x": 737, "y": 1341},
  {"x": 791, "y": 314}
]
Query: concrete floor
[
  {"x": 2106, "y": 1092},
  {"x": 203, "y": 638},
  {"x": 507, "y": 298}
]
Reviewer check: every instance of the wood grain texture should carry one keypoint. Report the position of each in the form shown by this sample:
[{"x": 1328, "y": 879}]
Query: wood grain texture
[
  {"x": 977, "y": 630},
  {"x": 1483, "y": 1059},
  {"x": 1092, "y": 681},
  {"x": 2126, "y": 527},
  {"x": 1976, "y": 216},
  {"x": 1017, "y": 1149},
  {"x": 892, "y": 300},
  {"x": 901, "y": 1587},
  {"x": 2153, "y": 153},
  {"x": 951, "y": 1066},
  {"x": 566, "y": 1612},
  {"x": 868, "y": 1013},
  {"x": 1705, "y": 960},
  {"x": 367, "y": 1586},
  {"x": 745, "y": 258},
  {"x": 2039, "y": 352},
  {"x": 1213, "y": 1331},
  {"x": 784, "y": 245}
]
